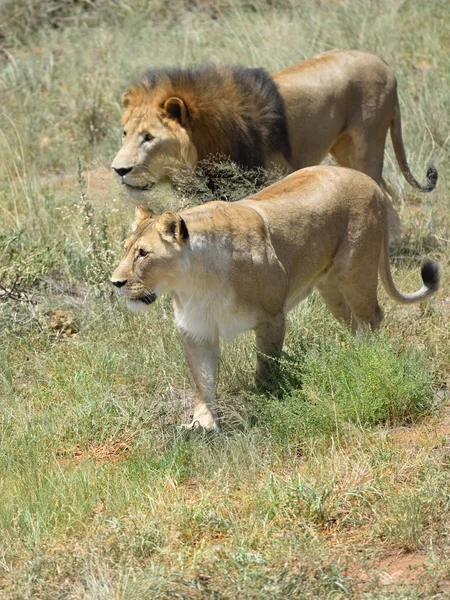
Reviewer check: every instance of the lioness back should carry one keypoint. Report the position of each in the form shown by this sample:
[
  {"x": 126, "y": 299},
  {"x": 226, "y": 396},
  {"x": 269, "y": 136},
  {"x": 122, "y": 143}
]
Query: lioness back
[{"x": 316, "y": 208}]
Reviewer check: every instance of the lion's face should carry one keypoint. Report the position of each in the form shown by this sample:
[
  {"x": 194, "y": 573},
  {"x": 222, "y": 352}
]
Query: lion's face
[
  {"x": 154, "y": 258},
  {"x": 155, "y": 141}
]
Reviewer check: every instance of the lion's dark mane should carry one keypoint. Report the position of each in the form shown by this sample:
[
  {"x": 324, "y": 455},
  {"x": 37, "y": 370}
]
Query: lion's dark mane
[{"x": 234, "y": 111}]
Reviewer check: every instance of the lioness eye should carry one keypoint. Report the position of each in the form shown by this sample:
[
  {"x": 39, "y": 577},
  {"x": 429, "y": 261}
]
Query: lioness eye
[
  {"x": 142, "y": 252},
  {"x": 148, "y": 137},
  {"x": 124, "y": 133}
]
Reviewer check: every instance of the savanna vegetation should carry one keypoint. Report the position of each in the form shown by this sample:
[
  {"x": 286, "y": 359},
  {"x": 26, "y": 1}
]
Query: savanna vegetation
[{"x": 336, "y": 484}]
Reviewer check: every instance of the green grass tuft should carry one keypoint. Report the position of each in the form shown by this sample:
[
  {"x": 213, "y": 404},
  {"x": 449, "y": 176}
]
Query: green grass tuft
[{"x": 360, "y": 383}]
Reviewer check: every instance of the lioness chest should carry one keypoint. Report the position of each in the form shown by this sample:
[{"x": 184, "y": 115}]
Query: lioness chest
[
  {"x": 224, "y": 291},
  {"x": 216, "y": 313}
]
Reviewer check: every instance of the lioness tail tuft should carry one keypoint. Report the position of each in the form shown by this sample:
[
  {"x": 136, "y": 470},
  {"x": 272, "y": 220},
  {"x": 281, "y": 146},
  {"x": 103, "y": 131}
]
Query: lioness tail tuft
[{"x": 431, "y": 276}]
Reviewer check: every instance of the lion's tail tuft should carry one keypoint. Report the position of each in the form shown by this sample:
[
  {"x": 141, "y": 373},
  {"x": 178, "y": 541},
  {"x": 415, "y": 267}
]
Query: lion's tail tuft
[
  {"x": 432, "y": 177},
  {"x": 431, "y": 279}
]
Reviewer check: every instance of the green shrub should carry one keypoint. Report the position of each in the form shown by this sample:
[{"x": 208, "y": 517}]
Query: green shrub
[
  {"x": 345, "y": 383},
  {"x": 101, "y": 257}
]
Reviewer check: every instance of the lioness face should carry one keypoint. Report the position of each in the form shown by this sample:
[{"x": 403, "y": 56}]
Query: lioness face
[
  {"x": 154, "y": 142},
  {"x": 154, "y": 258}
]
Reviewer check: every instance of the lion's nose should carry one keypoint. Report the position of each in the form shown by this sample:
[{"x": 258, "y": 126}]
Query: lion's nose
[
  {"x": 122, "y": 172},
  {"x": 118, "y": 283}
]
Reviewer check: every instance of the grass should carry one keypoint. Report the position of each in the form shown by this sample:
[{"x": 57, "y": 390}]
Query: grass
[
  {"x": 333, "y": 485},
  {"x": 352, "y": 383}
]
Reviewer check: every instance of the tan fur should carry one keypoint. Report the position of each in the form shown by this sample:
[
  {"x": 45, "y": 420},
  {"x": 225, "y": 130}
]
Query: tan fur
[{"x": 237, "y": 266}]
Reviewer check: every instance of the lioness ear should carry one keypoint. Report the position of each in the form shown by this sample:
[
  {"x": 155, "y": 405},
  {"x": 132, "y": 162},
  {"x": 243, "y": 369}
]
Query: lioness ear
[
  {"x": 175, "y": 108},
  {"x": 142, "y": 213},
  {"x": 172, "y": 227}
]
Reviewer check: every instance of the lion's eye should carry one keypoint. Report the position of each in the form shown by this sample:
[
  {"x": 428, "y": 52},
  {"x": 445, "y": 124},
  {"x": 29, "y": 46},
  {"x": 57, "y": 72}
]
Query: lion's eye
[
  {"x": 148, "y": 137},
  {"x": 142, "y": 252},
  {"x": 124, "y": 133}
]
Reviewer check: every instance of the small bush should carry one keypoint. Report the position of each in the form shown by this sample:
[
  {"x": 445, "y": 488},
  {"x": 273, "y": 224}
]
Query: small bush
[
  {"x": 101, "y": 257},
  {"x": 219, "y": 178},
  {"x": 409, "y": 517},
  {"x": 348, "y": 383}
]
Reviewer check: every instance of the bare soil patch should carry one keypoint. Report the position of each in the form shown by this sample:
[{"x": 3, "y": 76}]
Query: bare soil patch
[{"x": 394, "y": 569}]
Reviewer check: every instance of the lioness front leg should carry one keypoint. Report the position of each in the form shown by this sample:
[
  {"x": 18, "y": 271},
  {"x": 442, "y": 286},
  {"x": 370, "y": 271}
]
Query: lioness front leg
[
  {"x": 203, "y": 359},
  {"x": 269, "y": 343}
]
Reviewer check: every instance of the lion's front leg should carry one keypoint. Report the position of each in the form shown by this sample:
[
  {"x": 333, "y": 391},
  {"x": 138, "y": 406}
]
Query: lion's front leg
[
  {"x": 269, "y": 343},
  {"x": 203, "y": 360}
]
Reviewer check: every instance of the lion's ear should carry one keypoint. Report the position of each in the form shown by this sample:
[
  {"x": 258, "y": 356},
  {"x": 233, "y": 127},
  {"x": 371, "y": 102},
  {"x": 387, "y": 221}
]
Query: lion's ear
[
  {"x": 126, "y": 99},
  {"x": 142, "y": 213},
  {"x": 176, "y": 109},
  {"x": 172, "y": 227}
]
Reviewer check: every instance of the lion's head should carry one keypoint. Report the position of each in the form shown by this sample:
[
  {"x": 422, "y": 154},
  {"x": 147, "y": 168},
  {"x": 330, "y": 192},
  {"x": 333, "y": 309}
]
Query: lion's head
[
  {"x": 155, "y": 136},
  {"x": 176, "y": 117},
  {"x": 154, "y": 258}
]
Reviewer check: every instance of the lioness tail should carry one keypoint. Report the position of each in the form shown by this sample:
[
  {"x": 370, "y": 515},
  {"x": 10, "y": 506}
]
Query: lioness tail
[{"x": 430, "y": 276}]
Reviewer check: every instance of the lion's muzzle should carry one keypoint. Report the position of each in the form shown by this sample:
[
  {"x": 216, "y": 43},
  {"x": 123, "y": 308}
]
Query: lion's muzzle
[
  {"x": 118, "y": 282},
  {"x": 149, "y": 298}
]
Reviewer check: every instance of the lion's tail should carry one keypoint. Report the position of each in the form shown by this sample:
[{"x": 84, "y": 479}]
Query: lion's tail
[
  {"x": 397, "y": 142},
  {"x": 430, "y": 276}
]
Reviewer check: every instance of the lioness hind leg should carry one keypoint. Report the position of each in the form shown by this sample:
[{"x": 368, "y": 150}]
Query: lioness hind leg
[
  {"x": 269, "y": 343},
  {"x": 361, "y": 296},
  {"x": 367, "y": 319},
  {"x": 356, "y": 270},
  {"x": 328, "y": 288}
]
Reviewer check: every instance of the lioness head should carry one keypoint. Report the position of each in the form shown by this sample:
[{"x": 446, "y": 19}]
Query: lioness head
[
  {"x": 154, "y": 258},
  {"x": 156, "y": 138}
]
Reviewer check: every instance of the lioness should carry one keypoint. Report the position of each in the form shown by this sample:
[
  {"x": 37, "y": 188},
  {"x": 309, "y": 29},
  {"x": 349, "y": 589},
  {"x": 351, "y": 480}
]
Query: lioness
[{"x": 243, "y": 265}]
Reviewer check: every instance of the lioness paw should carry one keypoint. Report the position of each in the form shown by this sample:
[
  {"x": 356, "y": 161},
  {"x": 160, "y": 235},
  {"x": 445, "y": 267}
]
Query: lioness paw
[{"x": 203, "y": 419}]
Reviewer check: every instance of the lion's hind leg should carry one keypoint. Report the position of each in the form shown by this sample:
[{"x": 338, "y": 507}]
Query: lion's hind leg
[
  {"x": 395, "y": 224},
  {"x": 365, "y": 153}
]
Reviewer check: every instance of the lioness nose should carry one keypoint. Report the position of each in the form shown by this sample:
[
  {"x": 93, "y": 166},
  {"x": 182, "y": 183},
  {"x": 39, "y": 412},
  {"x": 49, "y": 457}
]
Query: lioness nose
[
  {"x": 119, "y": 283},
  {"x": 122, "y": 172}
]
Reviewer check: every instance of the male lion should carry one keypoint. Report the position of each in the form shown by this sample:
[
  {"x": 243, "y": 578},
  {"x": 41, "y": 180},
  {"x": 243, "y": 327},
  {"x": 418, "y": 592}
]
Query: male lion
[
  {"x": 340, "y": 102},
  {"x": 237, "y": 266}
]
